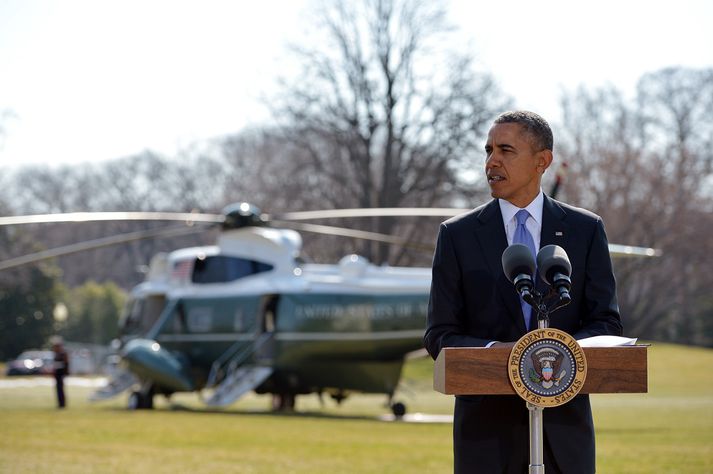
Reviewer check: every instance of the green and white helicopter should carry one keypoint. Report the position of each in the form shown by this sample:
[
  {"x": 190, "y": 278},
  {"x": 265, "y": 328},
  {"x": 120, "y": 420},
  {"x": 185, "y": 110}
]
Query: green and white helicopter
[{"x": 247, "y": 314}]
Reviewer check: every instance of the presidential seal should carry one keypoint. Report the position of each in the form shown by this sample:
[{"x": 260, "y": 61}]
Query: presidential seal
[{"x": 547, "y": 367}]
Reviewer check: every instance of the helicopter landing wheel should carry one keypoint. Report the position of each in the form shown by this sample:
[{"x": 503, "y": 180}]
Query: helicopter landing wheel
[
  {"x": 140, "y": 401},
  {"x": 134, "y": 402},
  {"x": 398, "y": 409},
  {"x": 283, "y": 402}
]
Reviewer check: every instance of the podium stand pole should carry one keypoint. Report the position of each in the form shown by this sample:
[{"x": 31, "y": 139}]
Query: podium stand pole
[
  {"x": 537, "y": 462},
  {"x": 537, "y": 465}
]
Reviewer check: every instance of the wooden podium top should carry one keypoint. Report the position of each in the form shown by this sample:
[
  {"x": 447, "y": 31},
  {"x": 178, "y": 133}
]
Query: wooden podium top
[{"x": 483, "y": 371}]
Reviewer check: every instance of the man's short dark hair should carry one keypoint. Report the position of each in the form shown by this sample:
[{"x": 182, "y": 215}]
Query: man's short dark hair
[{"x": 534, "y": 125}]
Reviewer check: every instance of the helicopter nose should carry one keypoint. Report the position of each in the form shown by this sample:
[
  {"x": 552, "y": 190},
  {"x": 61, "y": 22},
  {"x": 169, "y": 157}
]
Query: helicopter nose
[{"x": 149, "y": 360}]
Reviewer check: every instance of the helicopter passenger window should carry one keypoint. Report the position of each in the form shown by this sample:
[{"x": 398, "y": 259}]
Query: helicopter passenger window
[{"x": 220, "y": 269}]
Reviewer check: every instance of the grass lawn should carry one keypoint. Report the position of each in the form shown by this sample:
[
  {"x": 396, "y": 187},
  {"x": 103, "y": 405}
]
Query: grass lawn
[{"x": 668, "y": 430}]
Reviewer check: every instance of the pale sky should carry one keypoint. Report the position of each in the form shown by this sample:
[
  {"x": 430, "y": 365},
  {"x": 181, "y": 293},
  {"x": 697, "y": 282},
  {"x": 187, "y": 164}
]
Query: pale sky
[{"x": 90, "y": 80}]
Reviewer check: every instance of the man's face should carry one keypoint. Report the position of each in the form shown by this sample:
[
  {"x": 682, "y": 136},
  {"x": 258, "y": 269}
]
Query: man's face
[{"x": 513, "y": 167}]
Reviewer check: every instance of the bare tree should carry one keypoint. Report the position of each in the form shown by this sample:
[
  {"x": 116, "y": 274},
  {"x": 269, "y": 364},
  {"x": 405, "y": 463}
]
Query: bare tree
[
  {"x": 380, "y": 115},
  {"x": 145, "y": 182},
  {"x": 646, "y": 168}
]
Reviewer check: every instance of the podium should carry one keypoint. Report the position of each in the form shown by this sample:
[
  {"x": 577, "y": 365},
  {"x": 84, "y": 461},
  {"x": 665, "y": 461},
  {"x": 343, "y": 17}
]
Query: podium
[{"x": 484, "y": 371}]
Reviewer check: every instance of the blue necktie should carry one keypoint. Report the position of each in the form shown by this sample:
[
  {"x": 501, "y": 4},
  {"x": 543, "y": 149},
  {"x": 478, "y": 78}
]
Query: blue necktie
[{"x": 523, "y": 236}]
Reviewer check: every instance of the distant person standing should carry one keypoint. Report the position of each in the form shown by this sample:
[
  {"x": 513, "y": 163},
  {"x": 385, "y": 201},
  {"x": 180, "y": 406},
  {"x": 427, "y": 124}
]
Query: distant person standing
[{"x": 61, "y": 369}]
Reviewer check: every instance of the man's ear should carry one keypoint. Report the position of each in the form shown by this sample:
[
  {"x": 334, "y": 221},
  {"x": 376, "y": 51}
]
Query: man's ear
[{"x": 544, "y": 160}]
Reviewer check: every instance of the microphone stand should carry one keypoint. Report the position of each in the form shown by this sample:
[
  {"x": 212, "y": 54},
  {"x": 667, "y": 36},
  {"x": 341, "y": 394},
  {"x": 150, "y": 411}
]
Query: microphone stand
[{"x": 537, "y": 301}]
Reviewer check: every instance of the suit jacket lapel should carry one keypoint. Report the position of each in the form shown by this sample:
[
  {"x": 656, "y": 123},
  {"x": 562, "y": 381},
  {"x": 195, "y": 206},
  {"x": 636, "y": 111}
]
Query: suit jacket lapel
[
  {"x": 493, "y": 242},
  {"x": 554, "y": 228},
  {"x": 554, "y": 232}
]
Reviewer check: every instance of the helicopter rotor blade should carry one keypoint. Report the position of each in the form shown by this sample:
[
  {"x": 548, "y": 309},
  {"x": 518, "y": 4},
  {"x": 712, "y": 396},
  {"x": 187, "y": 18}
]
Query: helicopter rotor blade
[
  {"x": 188, "y": 217},
  {"x": 368, "y": 212},
  {"x": 287, "y": 218},
  {"x": 219, "y": 218},
  {"x": 617, "y": 250},
  {"x": 614, "y": 249},
  {"x": 99, "y": 243},
  {"x": 357, "y": 234}
]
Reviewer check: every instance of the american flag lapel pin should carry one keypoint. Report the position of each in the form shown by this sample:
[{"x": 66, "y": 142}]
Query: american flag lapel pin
[{"x": 558, "y": 234}]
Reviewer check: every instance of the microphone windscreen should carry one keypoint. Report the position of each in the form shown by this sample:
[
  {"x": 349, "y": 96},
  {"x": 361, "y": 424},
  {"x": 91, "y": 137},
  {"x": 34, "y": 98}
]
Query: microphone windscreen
[
  {"x": 517, "y": 259},
  {"x": 553, "y": 259}
]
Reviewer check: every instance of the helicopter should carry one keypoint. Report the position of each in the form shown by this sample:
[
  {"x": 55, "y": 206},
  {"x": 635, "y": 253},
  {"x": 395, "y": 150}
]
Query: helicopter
[{"x": 248, "y": 314}]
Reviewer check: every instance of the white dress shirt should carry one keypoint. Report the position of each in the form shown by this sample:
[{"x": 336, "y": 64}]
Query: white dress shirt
[{"x": 533, "y": 223}]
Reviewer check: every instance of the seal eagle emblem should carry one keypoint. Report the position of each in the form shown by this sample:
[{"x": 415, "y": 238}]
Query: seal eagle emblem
[
  {"x": 545, "y": 364},
  {"x": 547, "y": 367}
]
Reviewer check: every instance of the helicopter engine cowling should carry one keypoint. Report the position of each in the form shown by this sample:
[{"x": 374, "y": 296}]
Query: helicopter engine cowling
[
  {"x": 243, "y": 214},
  {"x": 149, "y": 361}
]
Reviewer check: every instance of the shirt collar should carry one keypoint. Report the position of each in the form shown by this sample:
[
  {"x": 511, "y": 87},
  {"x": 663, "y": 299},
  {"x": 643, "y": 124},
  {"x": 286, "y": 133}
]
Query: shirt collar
[{"x": 509, "y": 210}]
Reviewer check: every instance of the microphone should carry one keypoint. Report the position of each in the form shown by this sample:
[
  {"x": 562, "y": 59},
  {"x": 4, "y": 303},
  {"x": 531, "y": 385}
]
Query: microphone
[
  {"x": 519, "y": 267},
  {"x": 555, "y": 269}
]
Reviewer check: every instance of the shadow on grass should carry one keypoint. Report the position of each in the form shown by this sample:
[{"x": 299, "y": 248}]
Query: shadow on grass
[
  {"x": 174, "y": 407},
  {"x": 309, "y": 414}
]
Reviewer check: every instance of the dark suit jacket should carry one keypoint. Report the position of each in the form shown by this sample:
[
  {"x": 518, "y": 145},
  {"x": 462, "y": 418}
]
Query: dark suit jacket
[{"x": 472, "y": 303}]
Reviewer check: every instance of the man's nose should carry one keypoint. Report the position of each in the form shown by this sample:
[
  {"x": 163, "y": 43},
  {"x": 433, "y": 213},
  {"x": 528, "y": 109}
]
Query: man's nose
[{"x": 493, "y": 160}]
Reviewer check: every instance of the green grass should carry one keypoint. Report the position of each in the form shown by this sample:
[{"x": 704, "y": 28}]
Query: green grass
[{"x": 668, "y": 430}]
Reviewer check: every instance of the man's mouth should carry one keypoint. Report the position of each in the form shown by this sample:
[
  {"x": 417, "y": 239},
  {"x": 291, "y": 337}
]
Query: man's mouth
[{"x": 495, "y": 178}]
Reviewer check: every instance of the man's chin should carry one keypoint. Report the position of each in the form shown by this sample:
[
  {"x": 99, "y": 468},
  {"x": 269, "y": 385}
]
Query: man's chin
[{"x": 496, "y": 194}]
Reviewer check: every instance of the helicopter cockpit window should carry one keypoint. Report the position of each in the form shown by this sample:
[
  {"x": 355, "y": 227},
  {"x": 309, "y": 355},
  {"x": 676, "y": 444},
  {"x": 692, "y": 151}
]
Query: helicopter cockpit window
[
  {"x": 131, "y": 318},
  {"x": 221, "y": 269},
  {"x": 141, "y": 314}
]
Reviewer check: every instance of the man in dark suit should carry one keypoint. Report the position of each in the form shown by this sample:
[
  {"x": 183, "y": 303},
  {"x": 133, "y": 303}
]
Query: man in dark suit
[{"x": 472, "y": 304}]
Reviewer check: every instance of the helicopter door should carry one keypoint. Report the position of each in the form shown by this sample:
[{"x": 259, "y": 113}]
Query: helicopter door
[
  {"x": 269, "y": 314},
  {"x": 265, "y": 344}
]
